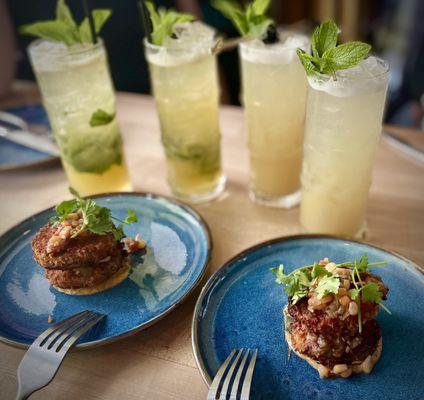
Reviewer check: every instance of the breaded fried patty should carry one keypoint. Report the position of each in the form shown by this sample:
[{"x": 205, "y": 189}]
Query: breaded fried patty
[
  {"x": 87, "y": 277},
  {"x": 85, "y": 250},
  {"x": 329, "y": 339}
]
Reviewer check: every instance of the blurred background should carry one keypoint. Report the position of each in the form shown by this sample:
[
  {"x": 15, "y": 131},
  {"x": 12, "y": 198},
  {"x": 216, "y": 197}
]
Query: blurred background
[{"x": 394, "y": 28}]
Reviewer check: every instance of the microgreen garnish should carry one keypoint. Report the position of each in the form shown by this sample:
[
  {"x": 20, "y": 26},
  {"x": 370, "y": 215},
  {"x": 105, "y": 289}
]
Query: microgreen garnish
[
  {"x": 296, "y": 283},
  {"x": 95, "y": 218},
  {"x": 250, "y": 20},
  {"x": 328, "y": 57},
  {"x": 163, "y": 22},
  {"x": 101, "y": 117},
  {"x": 64, "y": 28},
  {"x": 327, "y": 285},
  {"x": 316, "y": 278}
]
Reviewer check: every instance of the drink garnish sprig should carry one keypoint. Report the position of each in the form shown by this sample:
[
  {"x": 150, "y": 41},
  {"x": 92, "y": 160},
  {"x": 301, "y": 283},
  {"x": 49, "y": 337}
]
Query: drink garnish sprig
[
  {"x": 327, "y": 56},
  {"x": 251, "y": 20},
  {"x": 65, "y": 29},
  {"x": 316, "y": 278},
  {"x": 163, "y": 22},
  {"x": 95, "y": 218}
]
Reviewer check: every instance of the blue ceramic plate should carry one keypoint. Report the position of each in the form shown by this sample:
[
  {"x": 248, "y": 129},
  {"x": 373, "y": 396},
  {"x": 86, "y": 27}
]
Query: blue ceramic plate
[
  {"x": 178, "y": 251},
  {"x": 241, "y": 307},
  {"x": 13, "y": 155}
]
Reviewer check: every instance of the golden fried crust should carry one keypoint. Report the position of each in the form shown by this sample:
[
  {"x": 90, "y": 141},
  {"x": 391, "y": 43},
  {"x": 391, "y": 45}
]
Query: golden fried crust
[
  {"x": 302, "y": 339},
  {"x": 109, "y": 283},
  {"x": 83, "y": 251},
  {"x": 86, "y": 276}
]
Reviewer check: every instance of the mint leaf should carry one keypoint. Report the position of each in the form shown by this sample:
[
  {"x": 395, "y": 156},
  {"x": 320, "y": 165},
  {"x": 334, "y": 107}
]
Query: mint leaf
[
  {"x": 347, "y": 55},
  {"x": 259, "y": 7},
  {"x": 101, "y": 117},
  {"x": 328, "y": 58},
  {"x": 64, "y": 28},
  {"x": 63, "y": 13},
  {"x": 324, "y": 38},
  {"x": 100, "y": 17},
  {"x": 163, "y": 22},
  {"x": 258, "y": 25},
  {"x": 327, "y": 285},
  {"x": 228, "y": 8},
  {"x": 251, "y": 20},
  {"x": 309, "y": 62},
  {"x": 50, "y": 30}
]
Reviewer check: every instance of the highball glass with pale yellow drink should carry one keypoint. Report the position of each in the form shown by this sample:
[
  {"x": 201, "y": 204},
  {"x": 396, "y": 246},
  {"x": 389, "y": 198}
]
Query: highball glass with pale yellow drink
[
  {"x": 79, "y": 98},
  {"x": 343, "y": 125},
  {"x": 274, "y": 97},
  {"x": 183, "y": 73}
]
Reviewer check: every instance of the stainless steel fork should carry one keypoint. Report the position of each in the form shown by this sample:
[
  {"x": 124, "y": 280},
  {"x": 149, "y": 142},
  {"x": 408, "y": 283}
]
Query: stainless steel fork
[
  {"x": 233, "y": 380},
  {"x": 42, "y": 360}
]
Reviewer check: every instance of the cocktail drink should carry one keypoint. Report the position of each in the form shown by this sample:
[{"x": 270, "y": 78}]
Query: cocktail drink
[
  {"x": 274, "y": 97},
  {"x": 80, "y": 101},
  {"x": 184, "y": 79},
  {"x": 343, "y": 125}
]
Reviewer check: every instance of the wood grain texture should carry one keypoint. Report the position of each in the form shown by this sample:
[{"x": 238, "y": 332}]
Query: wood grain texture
[{"x": 158, "y": 363}]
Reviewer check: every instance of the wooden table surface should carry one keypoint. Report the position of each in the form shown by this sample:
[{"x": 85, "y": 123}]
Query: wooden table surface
[{"x": 158, "y": 363}]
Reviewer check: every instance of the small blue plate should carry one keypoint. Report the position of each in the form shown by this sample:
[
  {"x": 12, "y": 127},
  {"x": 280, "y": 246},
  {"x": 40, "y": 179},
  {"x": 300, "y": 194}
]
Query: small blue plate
[
  {"x": 241, "y": 307},
  {"x": 178, "y": 251},
  {"x": 13, "y": 155}
]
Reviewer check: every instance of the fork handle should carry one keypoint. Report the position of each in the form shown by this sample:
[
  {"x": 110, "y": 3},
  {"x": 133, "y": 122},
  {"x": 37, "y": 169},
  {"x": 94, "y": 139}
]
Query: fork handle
[{"x": 23, "y": 393}]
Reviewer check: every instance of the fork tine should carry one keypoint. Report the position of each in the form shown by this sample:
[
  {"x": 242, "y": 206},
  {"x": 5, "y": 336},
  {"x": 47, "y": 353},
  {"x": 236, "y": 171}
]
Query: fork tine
[
  {"x": 65, "y": 329},
  {"x": 53, "y": 328},
  {"x": 61, "y": 328},
  {"x": 248, "y": 378},
  {"x": 64, "y": 344},
  {"x": 224, "y": 390},
  {"x": 213, "y": 390},
  {"x": 236, "y": 383}
]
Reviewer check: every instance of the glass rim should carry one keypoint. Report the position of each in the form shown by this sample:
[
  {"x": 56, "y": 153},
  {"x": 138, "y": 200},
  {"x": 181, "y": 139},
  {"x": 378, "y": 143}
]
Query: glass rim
[
  {"x": 270, "y": 49},
  {"x": 157, "y": 47},
  {"x": 383, "y": 73},
  {"x": 78, "y": 48}
]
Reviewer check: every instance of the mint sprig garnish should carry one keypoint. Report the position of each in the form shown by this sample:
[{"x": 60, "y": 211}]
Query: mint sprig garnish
[
  {"x": 328, "y": 57},
  {"x": 101, "y": 117},
  {"x": 316, "y": 278},
  {"x": 163, "y": 22},
  {"x": 64, "y": 28},
  {"x": 250, "y": 21},
  {"x": 95, "y": 218}
]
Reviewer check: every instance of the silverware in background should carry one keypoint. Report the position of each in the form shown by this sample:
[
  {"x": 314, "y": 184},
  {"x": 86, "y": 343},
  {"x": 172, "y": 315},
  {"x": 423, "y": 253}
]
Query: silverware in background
[
  {"x": 404, "y": 146},
  {"x": 17, "y": 131},
  {"x": 42, "y": 360},
  {"x": 234, "y": 379}
]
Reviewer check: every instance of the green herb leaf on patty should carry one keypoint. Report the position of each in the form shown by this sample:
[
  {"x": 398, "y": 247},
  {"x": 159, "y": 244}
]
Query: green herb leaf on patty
[
  {"x": 95, "y": 218},
  {"x": 296, "y": 284},
  {"x": 327, "y": 285}
]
